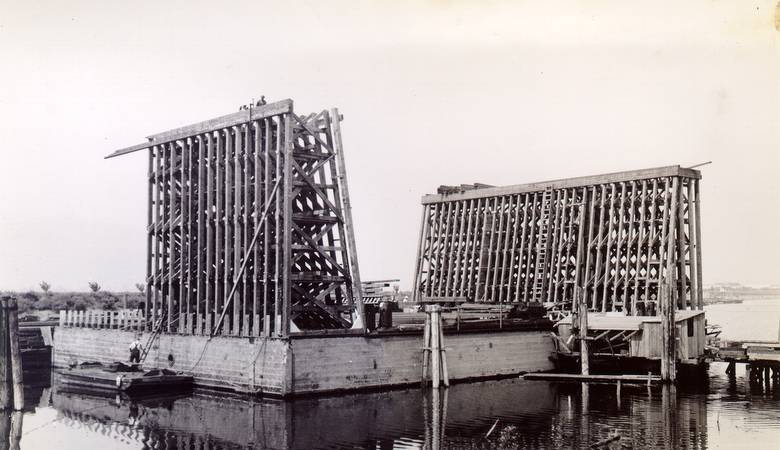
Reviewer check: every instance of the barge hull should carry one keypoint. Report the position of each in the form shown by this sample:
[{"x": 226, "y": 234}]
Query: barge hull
[{"x": 313, "y": 365}]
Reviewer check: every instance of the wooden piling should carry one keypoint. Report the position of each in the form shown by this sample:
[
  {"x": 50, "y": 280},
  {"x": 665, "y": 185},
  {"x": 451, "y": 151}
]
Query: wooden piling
[
  {"x": 583, "y": 316},
  {"x": 16, "y": 357},
  {"x": 433, "y": 349},
  {"x": 668, "y": 338},
  {"x": 426, "y": 351},
  {"x": 5, "y": 360}
]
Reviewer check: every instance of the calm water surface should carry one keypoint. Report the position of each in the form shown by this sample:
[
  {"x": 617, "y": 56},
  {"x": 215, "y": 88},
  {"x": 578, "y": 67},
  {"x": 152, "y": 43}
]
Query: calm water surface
[{"x": 716, "y": 413}]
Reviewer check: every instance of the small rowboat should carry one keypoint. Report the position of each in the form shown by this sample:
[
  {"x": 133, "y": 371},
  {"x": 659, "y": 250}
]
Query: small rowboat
[{"x": 120, "y": 377}]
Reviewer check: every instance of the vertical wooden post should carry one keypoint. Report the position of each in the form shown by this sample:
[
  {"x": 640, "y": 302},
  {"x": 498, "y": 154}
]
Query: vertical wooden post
[
  {"x": 347, "y": 211},
  {"x": 245, "y": 230},
  {"x": 500, "y": 249},
  {"x": 225, "y": 217},
  {"x": 599, "y": 246},
  {"x": 584, "y": 344},
  {"x": 652, "y": 233},
  {"x": 155, "y": 282},
  {"x": 442, "y": 353},
  {"x": 586, "y": 277},
  {"x": 697, "y": 232},
  {"x": 16, "y": 357},
  {"x": 267, "y": 124},
  {"x": 221, "y": 284},
  {"x": 521, "y": 250},
  {"x": 451, "y": 261},
  {"x": 668, "y": 338},
  {"x": 433, "y": 346},
  {"x": 278, "y": 301},
  {"x": 258, "y": 206},
  {"x": 580, "y": 303},
  {"x": 287, "y": 183},
  {"x": 435, "y": 351},
  {"x": 474, "y": 258},
  {"x": 420, "y": 252},
  {"x": 441, "y": 252},
  {"x": 190, "y": 238},
  {"x": 212, "y": 165},
  {"x": 149, "y": 231},
  {"x": 460, "y": 261},
  {"x": 610, "y": 241},
  {"x": 5, "y": 360},
  {"x": 681, "y": 249},
  {"x": 237, "y": 189},
  {"x": 426, "y": 349}
]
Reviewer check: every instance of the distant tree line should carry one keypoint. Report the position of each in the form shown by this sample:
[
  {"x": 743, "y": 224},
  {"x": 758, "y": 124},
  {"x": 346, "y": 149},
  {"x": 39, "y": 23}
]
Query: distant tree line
[{"x": 96, "y": 298}]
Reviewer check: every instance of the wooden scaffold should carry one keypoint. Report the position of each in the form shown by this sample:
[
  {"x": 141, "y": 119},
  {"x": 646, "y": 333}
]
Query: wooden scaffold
[
  {"x": 617, "y": 237},
  {"x": 249, "y": 226}
]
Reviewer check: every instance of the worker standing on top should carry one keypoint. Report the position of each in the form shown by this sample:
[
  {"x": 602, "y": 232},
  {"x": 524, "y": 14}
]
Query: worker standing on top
[{"x": 135, "y": 350}]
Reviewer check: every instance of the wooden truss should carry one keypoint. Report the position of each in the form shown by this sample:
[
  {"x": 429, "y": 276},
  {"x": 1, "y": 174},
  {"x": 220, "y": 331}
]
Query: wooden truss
[
  {"x": 253, "y": 204},
  {"x": 616, "y": 237}
]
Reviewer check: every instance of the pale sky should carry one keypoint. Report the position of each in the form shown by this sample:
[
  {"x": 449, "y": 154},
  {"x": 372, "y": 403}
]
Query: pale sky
[{"x": 432, "y": 93}]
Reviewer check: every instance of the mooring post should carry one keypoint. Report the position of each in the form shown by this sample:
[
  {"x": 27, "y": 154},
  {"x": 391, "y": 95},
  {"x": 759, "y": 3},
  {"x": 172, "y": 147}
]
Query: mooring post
[
  {"x": 5, "y": 360},
  {"x": 435, "y": 353},
  {"x": 668, "y": 339},
  {"x": 426, "y": 348},
  {"x": 16, "y": 357},
  {"x": 583, "y": 316},
  {"x": 433, "y": 346}
]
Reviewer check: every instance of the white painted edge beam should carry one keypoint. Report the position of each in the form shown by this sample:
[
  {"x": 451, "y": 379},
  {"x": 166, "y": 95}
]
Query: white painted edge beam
[
  {"x": 566, "y": 183},
  {"x": 236, "y": 118}
]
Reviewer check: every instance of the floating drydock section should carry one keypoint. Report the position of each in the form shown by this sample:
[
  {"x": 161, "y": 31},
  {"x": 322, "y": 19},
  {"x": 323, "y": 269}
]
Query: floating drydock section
[{"x": 252, "y": 279}]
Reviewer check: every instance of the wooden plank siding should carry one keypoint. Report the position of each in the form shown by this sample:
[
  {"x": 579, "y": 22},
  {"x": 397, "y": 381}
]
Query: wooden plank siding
[
  {"x": 617, "y": 239},
  {"x": 209, "y": 184}
]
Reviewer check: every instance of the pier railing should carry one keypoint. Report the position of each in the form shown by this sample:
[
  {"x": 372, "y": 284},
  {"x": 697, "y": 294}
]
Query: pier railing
[{"x": 101, "y": 319}]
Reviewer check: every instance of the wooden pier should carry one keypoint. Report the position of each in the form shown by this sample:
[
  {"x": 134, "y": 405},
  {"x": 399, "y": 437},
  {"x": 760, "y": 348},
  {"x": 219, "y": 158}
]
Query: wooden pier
[{"x": 762, "y": 359}]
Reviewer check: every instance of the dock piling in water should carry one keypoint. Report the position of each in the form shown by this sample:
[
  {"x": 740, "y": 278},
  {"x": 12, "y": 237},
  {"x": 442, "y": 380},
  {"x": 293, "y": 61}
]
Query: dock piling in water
[
  {"x": 433, "y": 348},
  {"x": 5, "y": 360},
  {"x": 11, "y": 370}
]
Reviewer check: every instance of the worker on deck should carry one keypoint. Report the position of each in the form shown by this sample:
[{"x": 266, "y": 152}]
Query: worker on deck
[{"x": 135, "y": 350}]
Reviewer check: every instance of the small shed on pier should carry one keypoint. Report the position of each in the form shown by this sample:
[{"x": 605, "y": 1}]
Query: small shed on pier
[{"x": 640, "y": 336}]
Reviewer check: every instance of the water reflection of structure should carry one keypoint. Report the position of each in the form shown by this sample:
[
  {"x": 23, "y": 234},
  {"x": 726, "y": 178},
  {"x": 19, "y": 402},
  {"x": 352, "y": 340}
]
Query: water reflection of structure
[
  {"x": 633, "y": 413},
  {"x": 521, "y": 414},
  {"x": 368, "y": 420},
  {"x": 10, "y": 430},
  {"x": 436, "y": 422}
]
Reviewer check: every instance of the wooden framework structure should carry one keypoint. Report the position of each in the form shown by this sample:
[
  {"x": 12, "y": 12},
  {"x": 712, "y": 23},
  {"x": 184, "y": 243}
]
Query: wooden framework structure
[
  {"x": 617, "y": 237},
  {"x": 249, "y": 225}
]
